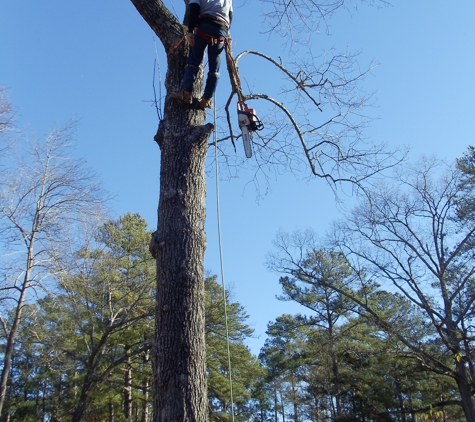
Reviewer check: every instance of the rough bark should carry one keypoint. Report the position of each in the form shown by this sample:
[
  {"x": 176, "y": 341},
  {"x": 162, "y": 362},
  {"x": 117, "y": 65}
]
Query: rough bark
[{"x": 179, "y": 356}]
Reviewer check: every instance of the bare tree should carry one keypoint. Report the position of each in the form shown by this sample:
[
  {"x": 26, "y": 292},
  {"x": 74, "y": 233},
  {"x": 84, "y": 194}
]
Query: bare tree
[
  {"x": 412, "y": 235},
  {"x": 41, "y": 197},
  {"x": 330, "y": 146},
  {"x": 416, "y": 323},
  {"x": 6, "y": 118},
  {"x": 294, "y": 19},
  {"x": 5, "y": 111}
]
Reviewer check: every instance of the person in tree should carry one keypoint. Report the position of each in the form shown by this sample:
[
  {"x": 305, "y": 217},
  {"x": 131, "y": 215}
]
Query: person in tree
[{"x": 208, "y": 26}]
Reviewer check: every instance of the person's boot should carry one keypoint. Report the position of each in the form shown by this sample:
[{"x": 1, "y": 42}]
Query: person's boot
[
  {"x": 205, "y": 103},
  {"x": 183, "y": 95}
]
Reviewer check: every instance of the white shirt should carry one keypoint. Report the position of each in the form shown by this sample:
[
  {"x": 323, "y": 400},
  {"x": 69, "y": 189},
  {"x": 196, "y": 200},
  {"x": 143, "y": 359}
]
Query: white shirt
[{"x": 217, "y": 8}]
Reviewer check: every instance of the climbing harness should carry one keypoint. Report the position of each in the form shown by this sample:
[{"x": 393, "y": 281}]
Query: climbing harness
[{"x": 209, "y": 39}]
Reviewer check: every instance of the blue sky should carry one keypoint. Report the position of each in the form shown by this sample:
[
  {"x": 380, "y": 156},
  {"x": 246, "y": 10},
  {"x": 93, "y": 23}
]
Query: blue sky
[{"x": 94, "y": 60}]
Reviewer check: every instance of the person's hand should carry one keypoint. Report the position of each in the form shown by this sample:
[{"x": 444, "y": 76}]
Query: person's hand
[{"x": 190, "y": 38}]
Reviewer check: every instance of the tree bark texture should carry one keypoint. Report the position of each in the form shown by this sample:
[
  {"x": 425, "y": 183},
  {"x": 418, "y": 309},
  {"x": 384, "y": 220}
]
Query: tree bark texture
[{"x": 179, "y": 355}]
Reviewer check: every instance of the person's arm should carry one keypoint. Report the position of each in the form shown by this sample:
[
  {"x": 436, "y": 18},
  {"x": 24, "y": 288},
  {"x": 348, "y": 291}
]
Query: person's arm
[{"x": 193, "y": 15}]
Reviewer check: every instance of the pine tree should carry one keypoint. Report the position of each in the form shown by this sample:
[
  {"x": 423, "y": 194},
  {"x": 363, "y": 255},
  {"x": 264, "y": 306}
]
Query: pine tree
[
  {"x": 96, "y": 326},
  {"x": 84, "y": 350},
  {"x": 245, "y": 368},
  {"x": 357, "y": 339}
]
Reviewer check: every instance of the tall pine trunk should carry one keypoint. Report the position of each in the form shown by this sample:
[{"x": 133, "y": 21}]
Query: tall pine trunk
[
  {"x": 145, "y": 389},
  {"x": 127, "y": 388}
]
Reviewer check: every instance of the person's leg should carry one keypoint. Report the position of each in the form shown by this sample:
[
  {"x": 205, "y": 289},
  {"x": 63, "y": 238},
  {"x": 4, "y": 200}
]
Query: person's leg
[
  {"x": 195, "y": 57},
  {"x": 214, "y": 63}
]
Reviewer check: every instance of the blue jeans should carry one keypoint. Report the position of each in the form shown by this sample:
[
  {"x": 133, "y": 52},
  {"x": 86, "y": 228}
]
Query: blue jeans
[{"x": 195, "y": 57}]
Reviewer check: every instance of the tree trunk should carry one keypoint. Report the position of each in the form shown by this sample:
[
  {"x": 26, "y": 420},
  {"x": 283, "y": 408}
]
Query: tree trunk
[
  {"x": 179, "y": 355},
  {"x": 335, "y": 368},
  {"x": 466, "y": 397},
  {"x": 461, "y": 374},
  {"x": 111, "y": 411},
  {"x": 10, "y": 343},
  {"x": 145, "y": 389},
  {"x": 283, "y": 406},
  {"x": 294, "y": 400},
  {"x": 81, "y": 406},
  {"x": 128, "y": 388},
  {"x": 43, "y": 402}
]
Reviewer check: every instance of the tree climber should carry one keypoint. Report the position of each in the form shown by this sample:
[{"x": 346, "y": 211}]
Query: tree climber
[{"x": 208, "y": 26}]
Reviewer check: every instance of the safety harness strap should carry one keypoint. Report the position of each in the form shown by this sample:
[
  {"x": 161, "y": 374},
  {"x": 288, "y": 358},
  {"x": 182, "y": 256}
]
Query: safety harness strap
[{"x": 208, "y": 38}]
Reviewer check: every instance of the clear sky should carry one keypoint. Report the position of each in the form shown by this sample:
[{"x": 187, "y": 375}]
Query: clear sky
[{"x": 93, "y": 61}]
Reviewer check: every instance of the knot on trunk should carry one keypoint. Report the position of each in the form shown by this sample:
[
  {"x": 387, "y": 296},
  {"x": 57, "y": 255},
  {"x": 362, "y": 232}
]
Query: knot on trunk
[
  {"x": 202, "y": 133},
  {"x": 155, "y": 244}
]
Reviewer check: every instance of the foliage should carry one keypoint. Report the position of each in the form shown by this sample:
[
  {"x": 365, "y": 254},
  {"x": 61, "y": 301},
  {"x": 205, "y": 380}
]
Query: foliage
[
  {"x": 417, "y": 236},
  {"x": 330, "y": 146},
  {"x": 362, "y": 358},
  {"x": 96, "y": 323},
  {"x": 83, "y": 351},
  {"x": 245, "y": 368},
  {"x": 45, "y": 195}
]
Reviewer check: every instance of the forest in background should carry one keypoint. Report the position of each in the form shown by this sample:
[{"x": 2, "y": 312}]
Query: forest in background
[{"x": 385, "y": 333}]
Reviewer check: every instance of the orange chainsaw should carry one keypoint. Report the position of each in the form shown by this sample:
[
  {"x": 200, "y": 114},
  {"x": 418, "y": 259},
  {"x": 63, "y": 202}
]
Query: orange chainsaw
[{"x": 248, "y": 122}]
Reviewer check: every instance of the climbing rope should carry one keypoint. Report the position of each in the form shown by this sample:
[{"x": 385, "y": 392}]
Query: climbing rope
[
  {"x": 218, "y": 212},
  {"x": 172, "y": 50}
]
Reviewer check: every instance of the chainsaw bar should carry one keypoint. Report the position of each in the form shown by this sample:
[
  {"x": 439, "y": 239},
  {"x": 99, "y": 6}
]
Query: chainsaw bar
[{"x": 248, "y": 122}]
